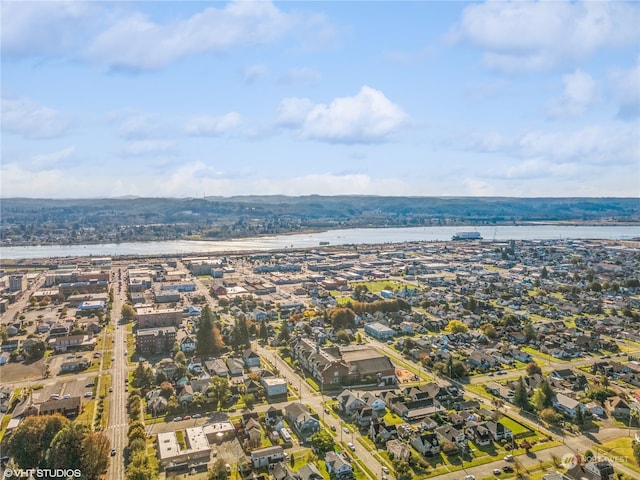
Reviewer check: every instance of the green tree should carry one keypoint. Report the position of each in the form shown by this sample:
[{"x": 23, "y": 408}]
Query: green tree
[
  {"x": 342, "y": 336},
  {"x": 263, "y": 333},
  {"x": 31, "y": 439},
  {"x": 402, "y": 469},
  {"x": 635, "y": 445},
  {"x": 533, "y": 368},
  {"x": 66, "y": 447},
  {"x": 167, "y": 390},
  {"x": 550, "y": 416},
  {"x": 219, "y": 390},
  {"x": 322, "y": 442},
  {"x": 538, "y": 400},
  {"x": 520, "y": 397},
  {"x": 456, "y": 326},
  {"x": 142, "y": 376},
  {"x": 341, "y": 318},
  {"x": 545, "y": 387},
  {"x": 284, "y": 335},
  {"x": 180, "y": 358},
  {"x": 128, "y": 313},
  {"x": 206, "y": 341},
  {"x": 95, "y": 455},
  {"x": 217, "y": 471},
  {"x": 249, "y": 399},
  {"x": 489, "y": 330},
  {"x": 529, "y": 332},
  {"x": 579, "y": 417}
]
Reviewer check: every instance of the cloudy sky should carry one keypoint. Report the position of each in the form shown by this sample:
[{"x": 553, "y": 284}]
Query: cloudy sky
[{"x": 386, "y": 98}]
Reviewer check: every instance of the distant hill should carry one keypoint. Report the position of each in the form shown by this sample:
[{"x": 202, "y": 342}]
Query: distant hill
[{"x": 29, "y": 221}]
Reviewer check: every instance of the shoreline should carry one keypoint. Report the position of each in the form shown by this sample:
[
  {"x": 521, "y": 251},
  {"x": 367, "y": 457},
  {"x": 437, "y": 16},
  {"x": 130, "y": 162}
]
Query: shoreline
[{"x": 312, "y": 231}]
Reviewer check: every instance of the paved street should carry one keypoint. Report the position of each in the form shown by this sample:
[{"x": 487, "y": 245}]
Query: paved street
[{"x": 118, "y": 419}]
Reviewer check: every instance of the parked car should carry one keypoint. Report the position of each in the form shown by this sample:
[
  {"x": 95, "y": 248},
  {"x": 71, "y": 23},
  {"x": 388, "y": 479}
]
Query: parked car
[
  {"x": 351, "y": 446},
  {"x": 113, "y": 452},
  {"x": 177, "y": 419},
  {"x": 507, "y": 469},
  {"x": 385, "y": 470},
  {"x": 197, "y": 415},
  {"x": 508, "y": 458}
]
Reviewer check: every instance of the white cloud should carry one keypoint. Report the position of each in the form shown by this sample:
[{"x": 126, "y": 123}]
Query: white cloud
[
  {"x": 540, "y": 168},
  {"x": 137, "y": 43},
  {"x": 594, "y": 144},
  {"x": 138, "y": 126},
  {"x": 487, "y": 142},
  {"x": 253, "y": 72},
  {"x": 300, "y": 76},
  {"x": 579, "y": 94},
  {"x": 147, "y": 147},
  {"x": 209, "y": 126},
  {"x": 531, "y": 36},
  {"x": 626, "y": 87},
  {"x": 46, "y": 28},
  {"x": 47, "y": 160},
  {"x": 367, "y": 117},
  {"x": 25, "y": 117},
  {"x": 18, "y": 181}
]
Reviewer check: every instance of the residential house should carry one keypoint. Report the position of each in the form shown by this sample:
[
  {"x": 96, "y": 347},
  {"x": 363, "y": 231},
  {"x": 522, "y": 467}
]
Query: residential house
[
  {"x": 235, "y": 366},
  {"x": 309, "y": 472},
  {"x": 253, "y": 431},
  {"x": 300, "y": 419},
  {"x": 617, "y": 407},
  {"x": 567, "y": 404},
  {"x": 364, "y": 417},
  {"x": 350, "y": 403},
  {"x": 281, "y": 471},
  {"x": 425, "y": 443},
  {"x": 478, "y": 433},
  {"x": 374, "y": 402},
  {"x": 338, "y": 465},
  {"x": 188, "y": 344},
  {"x": 451, "y": 434},
  {"x": 380, "y": 432},
  {"x": 217, "y": 367},
  {"x": 398, "y": 450},
  {"x": 498, "y": 430},
  {"x": 251, "y": 358},
  {"x": 266, "y": 456}
]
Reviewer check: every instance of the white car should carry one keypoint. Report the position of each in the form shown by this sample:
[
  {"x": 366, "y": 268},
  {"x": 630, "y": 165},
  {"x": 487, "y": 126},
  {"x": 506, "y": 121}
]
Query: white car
[
  {"x": 385, "y": 470},
  {"x": 469, "y": 477},
  {"x": 508, "y": 458},
  {"x": 351, "y": 446}
]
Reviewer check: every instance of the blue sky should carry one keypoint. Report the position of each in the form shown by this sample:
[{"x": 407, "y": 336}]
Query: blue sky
[{"x": 184, "y": 99}]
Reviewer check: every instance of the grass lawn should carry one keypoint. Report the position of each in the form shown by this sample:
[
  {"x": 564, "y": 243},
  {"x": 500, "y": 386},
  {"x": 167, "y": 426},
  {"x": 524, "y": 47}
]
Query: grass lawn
[
  {"x": 3, "y": 426},
  {"x": 518, "y": 430},
  {"x": 380, "y": 285},
  {"x": 86, "y": 416},
  {"x": 104, "y": 420},
  {"x": 313, "y": 384},
  {"x": 620, "y": 447},
  {"x": 391, "y": 418},
  {"x": 106, "y": 364}
]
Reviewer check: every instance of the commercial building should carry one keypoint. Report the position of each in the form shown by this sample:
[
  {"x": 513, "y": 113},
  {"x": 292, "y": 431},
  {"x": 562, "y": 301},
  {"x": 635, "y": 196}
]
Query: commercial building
[{"x": 198, "y": 449}]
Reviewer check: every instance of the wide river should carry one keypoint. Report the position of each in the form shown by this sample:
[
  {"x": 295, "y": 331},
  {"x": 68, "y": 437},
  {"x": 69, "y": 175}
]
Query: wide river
[{"x": 333, "y": 237}]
